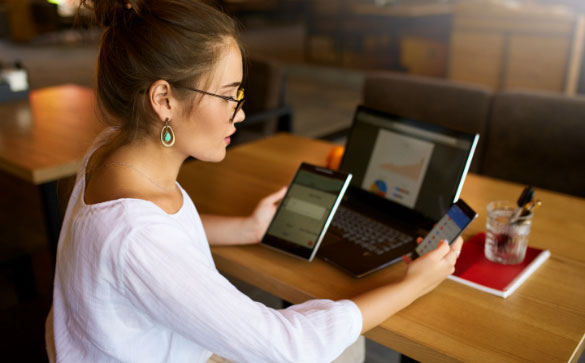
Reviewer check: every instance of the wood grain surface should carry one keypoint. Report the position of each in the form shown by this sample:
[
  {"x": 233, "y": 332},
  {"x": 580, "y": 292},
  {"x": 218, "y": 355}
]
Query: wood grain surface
[
  {"x": 44, "y": 138},
  {"x": 543, "y": 321}
]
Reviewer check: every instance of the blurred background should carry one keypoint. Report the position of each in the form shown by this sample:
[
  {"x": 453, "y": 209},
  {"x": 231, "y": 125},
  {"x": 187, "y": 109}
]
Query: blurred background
[
  {"x": 500, "y": 44},
  {"x": 325, "y": 49}
]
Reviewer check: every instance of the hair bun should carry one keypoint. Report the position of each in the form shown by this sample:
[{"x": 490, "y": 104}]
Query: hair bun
[{"x": 112, "y": 12}]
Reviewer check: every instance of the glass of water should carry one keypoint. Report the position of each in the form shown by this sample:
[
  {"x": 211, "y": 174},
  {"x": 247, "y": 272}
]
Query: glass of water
[{"x": 506, "y": 240}]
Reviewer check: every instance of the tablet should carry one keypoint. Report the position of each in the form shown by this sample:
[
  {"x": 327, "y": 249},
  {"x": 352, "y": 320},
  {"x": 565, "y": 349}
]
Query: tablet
[{"x": 304, "y": 214}]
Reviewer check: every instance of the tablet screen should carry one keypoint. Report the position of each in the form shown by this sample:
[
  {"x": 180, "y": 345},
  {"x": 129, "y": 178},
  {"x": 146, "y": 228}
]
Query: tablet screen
[{"x": 306, "y": 210}]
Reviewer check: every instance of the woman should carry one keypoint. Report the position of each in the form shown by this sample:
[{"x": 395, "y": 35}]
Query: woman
[{"x": 135, "y": 280}]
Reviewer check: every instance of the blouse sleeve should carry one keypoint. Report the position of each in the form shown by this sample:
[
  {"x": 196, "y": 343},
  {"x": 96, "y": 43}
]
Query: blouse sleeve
[{"x": 165, "y": 276}]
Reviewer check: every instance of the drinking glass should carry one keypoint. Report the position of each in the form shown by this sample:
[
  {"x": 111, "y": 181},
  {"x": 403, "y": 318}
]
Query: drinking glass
[{"x": 506, "y": 240}]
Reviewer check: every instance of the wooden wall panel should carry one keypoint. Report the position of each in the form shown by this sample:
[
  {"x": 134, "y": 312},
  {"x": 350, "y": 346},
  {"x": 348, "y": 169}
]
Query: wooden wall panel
[
  {"x": 475, "y": 57},
  {"x": 523, "y": 45},
  {"x": 536, "y": 62}
]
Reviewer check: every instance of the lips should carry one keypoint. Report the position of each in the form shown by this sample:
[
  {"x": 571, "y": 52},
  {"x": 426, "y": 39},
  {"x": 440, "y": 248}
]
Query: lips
[{"x": 228, "y": 138}]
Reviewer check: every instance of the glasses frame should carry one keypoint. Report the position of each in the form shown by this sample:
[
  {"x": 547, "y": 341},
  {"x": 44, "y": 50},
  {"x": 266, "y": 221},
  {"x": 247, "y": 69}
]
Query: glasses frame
[{"x": 239, "y": 103}]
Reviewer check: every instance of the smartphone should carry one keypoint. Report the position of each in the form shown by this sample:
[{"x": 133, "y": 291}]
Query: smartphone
[
  {"x": 305, "y": 212},
  {"x": 453, "y": 223}
]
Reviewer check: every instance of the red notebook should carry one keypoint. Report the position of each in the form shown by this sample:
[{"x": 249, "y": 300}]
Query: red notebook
[{"x": 474, "y": 270}]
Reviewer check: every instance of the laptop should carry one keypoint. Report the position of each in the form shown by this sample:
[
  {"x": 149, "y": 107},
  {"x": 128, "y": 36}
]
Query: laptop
[{"x": 406, "y": 175}]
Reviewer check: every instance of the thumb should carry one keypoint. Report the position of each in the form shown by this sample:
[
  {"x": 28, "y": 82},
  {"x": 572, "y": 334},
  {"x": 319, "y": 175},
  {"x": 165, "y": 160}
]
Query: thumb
[{"x": 276, "y": 196}]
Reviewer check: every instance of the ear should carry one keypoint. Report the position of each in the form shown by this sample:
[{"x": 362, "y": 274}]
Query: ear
[{"x": 161, "y": 99}]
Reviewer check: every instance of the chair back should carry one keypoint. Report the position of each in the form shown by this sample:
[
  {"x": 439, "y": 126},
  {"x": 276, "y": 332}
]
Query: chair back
[
  {"x": 265, "y": 107},
  {"x": 454, "y": 105},
  {"x": 264, "y": 81},
  {"x": 537, "y": 138}
]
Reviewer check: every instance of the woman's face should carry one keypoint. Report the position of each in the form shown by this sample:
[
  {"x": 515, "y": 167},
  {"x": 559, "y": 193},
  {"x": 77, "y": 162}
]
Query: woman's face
[{"x": 205, "y": 133}]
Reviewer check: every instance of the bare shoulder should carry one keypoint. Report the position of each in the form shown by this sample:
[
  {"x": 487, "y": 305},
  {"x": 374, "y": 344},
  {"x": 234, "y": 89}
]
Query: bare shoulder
[{"x": 108, "y": 183}]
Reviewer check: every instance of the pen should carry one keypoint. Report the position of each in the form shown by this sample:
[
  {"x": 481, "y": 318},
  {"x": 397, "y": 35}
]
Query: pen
[
  {"x": 525, "y": 205},
  {"x": 523, "y": 201},
  {"x": 530, "y": 207}
]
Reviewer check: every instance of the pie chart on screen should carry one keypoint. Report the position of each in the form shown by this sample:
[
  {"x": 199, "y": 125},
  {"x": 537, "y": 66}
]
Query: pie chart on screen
[{"x": 379, "y": 187}]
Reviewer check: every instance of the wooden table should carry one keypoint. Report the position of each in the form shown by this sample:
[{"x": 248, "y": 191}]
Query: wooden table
[
  {"x": 543, "y": 321},
  {"x": 43, "y": 140}
]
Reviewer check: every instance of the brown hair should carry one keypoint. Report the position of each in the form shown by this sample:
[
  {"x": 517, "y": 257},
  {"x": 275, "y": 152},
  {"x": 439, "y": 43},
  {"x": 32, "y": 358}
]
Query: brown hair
[{"x": 147, "y": 40}]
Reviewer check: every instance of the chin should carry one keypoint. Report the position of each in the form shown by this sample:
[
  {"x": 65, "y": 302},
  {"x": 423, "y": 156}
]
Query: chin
[
  {"x": 213, "y": 158},
  {"x": 218, "y": 159}
]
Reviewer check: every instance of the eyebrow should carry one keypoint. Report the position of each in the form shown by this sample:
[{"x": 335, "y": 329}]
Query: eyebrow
[{"x": 234, "y": 84}]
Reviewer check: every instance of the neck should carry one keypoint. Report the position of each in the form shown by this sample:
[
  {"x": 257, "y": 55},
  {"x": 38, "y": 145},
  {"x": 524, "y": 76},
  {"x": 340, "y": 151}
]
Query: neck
[{"x": 154, "y": 162}]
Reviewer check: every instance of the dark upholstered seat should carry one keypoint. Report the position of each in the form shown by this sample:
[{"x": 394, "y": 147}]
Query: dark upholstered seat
[
  {"x": 537, "y": 138},
  {"x": 446, "y": 103},
  {"x": 265, "y": 107}
]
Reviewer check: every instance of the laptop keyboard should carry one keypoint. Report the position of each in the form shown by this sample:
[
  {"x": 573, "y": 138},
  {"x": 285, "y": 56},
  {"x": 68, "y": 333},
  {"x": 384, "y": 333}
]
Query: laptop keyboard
[{"x": 368, "y": 233}]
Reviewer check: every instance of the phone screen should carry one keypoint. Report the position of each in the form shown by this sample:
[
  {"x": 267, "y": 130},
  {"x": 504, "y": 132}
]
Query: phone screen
[{"x": 458, "y": 217}]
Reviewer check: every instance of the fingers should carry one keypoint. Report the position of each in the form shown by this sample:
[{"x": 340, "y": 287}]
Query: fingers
[
  {"x": 452, "y": 256},
  {"x": 442, "y": 251},
  {"x": 443, "y": 248},
  {"x": 439, "y": 252},
  {"x": 275, "y": 197},
  {"x": 455, "y": 247},
  {"x": 457, "y": 244},
  {"x": 455, "y": 250},
  {"x": 446, "y": 253},
  {"x": 406, "y": 259}
]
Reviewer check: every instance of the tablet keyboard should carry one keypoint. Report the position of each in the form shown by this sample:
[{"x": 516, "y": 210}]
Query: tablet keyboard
[{"x": 366, "y": 232}]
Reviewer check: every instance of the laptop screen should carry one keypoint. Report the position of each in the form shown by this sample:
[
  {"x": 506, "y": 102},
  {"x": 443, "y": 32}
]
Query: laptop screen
[{"x": 418, "y": 165}]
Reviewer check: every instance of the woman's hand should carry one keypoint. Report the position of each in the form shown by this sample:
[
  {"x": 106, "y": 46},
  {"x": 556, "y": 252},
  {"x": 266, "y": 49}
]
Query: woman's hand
[
  {"x": 429, "y": 270},
  {"x": 260, "y": 219},
  {"x": 422, "y": 275},
  {"x": 229, "y": 231}
]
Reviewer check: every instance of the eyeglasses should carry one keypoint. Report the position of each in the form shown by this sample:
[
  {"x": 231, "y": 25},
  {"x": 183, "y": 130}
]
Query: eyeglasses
[{"x": 239, "y": 101}]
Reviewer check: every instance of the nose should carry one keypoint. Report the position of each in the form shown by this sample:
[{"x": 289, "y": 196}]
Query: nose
[{"x": 240, "y": 116}]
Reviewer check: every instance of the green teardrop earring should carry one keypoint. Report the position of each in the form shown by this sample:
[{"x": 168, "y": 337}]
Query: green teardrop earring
[{"x": 167, "y": 136}]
